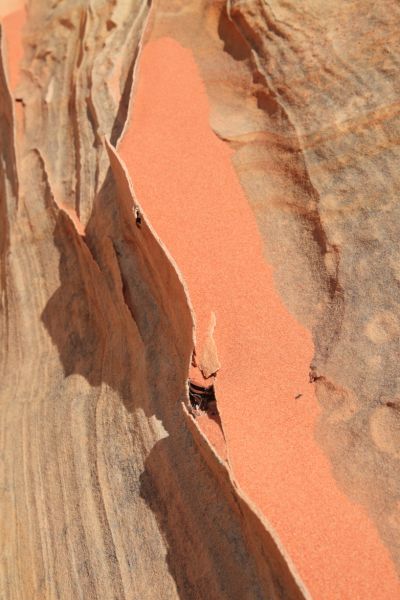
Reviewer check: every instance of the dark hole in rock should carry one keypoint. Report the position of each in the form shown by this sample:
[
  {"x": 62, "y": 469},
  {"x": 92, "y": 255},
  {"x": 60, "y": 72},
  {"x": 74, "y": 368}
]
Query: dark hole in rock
[{"x": 202, "y": 398}]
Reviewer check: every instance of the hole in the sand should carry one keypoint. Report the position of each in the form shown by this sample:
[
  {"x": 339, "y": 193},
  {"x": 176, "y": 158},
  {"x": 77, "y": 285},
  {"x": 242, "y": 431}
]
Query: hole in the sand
[{"x": 392, "y": 404}]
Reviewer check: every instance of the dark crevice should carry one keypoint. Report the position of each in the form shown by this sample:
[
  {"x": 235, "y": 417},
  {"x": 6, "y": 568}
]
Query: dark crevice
[
  {"x": 73, "y": 108},
  {"x": 201, "y": 397},
  {"x": 233, "y": 42},
  {"x": 123, "y": 107}
]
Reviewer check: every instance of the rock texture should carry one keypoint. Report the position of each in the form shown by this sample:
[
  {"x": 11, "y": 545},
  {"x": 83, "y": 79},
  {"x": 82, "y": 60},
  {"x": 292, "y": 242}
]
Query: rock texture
[
  {"x": 108, "y": 488},
  {"x": 325, "y": 78}
]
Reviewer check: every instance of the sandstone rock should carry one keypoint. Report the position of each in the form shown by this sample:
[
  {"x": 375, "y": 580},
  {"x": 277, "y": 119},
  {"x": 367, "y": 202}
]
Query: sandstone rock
[{"x": 108, "y": 487}]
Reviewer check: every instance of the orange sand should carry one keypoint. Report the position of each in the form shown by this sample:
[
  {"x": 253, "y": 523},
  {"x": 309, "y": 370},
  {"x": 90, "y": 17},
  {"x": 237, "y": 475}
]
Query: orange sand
[
  {"x": 185, "y": 181},
  {"x": 13, "y": 24}
]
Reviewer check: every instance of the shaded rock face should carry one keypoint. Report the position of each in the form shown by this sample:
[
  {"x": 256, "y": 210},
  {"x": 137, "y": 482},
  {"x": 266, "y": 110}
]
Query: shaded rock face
[
  {"x": 108, "y": 489},
  {"x": 307, "y": 96}
]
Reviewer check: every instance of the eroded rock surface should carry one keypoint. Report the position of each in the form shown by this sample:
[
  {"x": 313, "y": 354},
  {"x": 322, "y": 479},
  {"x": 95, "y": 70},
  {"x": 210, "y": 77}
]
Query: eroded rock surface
[{"x": 325, "y": 78}]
